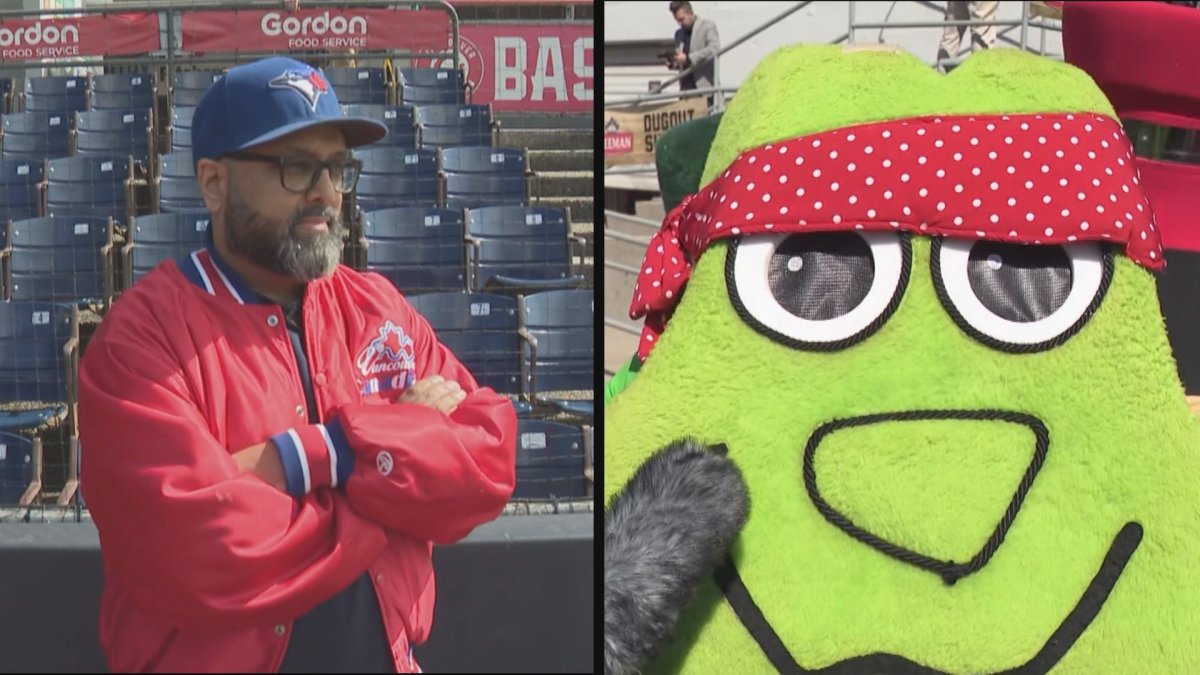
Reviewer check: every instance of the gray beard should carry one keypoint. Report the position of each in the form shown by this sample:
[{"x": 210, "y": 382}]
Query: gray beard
[{"x": 271, "y": 246}]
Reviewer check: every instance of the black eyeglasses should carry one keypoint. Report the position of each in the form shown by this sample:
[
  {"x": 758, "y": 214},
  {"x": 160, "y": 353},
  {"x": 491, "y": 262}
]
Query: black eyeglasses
[{"x": 298, "y": 173}]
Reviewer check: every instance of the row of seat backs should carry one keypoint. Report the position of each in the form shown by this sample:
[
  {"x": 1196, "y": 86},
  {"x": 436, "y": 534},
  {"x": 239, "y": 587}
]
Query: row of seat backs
[
  {"x": 68, "y": 186},
  {"x": 408, "y": 126},
  {"x": 460, "y": 177},
  {"x": 65, "y": 94},
  {"x": 40, "y": 135},
  {"x": 414, "y": 86},
  {"x": 507, "y": 248}
]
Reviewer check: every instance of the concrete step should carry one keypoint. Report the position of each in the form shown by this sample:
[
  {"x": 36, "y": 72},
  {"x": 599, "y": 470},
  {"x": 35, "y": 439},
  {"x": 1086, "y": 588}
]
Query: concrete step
[
  {"x": 564, "y": 184},
  {"x": 619, "y": 346},
  {"x": 650, "y": 209},
  {"x": 562, "y": 160},
  {"x": 546, "y": 139},
  {"x": 583, "y": 209},
  {"x": 537, "y": 120}
]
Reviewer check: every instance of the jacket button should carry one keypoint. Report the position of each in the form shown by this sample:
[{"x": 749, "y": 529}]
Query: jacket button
[
  {"x": 272, "y": 321},
  {"x": 300, "y": 410},
  {"x": 379, "y": 578},
  {"x": 321, "y": 379},
  {"x": 280, "y": 629}
]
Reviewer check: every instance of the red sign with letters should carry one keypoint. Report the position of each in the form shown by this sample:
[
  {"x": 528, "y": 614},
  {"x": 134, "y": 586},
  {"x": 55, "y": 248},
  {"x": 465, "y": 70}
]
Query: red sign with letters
[
  {"x": 333, "y": 29},
  {"x": 67, "y": 38},
  {"x": 544, "y": 67}
]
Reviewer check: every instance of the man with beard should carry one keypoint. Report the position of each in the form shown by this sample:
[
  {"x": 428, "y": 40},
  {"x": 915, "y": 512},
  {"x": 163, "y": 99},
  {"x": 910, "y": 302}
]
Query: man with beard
[{"x": 273, "y": 442}]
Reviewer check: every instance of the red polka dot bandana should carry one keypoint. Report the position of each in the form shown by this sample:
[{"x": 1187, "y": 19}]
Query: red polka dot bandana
[{"x": 1037, "y": 179}]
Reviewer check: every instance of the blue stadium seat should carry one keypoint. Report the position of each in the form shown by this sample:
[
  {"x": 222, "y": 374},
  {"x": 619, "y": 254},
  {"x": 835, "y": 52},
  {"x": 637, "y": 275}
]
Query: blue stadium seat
[
  {"x": 58, "y": 94},
  {"x": 37, "y": 352},
  {"x": 159, "y": 237},
  {"x": 189, "y": 86},
  {"x": 36, "y": 136},
  {"x": 402, "y": 132},
  {"x": 124, "y": 91},
  {"x": 454, "y": 125},
  {"x": 481, "y": 331},
  {"x": 114, "y": 133},
  {"x": 556, "y": 327},
  {"x": 63, "y": 259},
  {"x": 20, "y": 196},
  {"x": 89, "y": 186},
  {"x": 396, "y": 177},
  {"x": 520, "y": 249},
  {"x": 484, "y": 176},
  {"x": 425, "y": 86},
  {"x": 550, "y": 461},
  {"x": 181, "y": 128},
  {"x": 16, "y": 469},
  {"x": 176, "y": 184},
  {"x": 419, "y": 249},
  {"x": 359, "y": 85}
]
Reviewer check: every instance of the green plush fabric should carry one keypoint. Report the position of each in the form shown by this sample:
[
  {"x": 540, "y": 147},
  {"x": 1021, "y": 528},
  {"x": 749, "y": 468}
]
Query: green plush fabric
[
  {"x": 1123, "y": 443},
  {"x": 622, "y": 378},
  {"x": 679, "y": 156}
]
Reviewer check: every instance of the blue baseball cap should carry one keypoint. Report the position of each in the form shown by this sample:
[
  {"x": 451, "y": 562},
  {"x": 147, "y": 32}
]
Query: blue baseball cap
[{"x": 261, "y": 101}]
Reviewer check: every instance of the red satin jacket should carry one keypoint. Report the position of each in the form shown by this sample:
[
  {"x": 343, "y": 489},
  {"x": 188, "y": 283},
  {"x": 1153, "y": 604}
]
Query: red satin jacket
[{"x": 205, "y": 567}]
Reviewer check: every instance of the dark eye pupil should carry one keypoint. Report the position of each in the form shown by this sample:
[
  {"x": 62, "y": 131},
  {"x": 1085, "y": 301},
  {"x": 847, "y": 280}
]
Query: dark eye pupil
[
  {"x": 821, "y": 276},
  {"x": 1018, "y": 282}
]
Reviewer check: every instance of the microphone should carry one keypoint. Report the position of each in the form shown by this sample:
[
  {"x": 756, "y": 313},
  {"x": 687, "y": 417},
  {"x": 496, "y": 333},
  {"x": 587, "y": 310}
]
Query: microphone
[{"x": 667, "y": 530}]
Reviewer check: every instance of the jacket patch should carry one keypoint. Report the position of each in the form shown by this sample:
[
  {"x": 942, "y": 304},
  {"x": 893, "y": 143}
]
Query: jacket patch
[{"x": 388, "y": 362}]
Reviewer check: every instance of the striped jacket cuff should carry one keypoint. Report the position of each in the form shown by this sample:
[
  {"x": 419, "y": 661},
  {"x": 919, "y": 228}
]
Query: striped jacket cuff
[{"x": 309, "y": 459}]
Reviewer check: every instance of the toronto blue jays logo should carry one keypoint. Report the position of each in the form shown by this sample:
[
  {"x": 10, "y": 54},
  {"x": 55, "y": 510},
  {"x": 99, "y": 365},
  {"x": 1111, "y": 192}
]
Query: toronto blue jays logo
[
  {"x": 389, "y": 361},
  {"x": 309, "y": 84}
]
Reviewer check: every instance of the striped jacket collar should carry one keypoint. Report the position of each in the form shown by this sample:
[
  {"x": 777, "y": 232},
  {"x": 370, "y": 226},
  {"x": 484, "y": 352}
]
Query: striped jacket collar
[{"x": 208, "y": 271}]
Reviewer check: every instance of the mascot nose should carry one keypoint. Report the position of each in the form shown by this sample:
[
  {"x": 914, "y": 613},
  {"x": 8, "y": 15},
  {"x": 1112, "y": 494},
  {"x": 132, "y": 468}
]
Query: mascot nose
[{"x": 937, "y": 489}]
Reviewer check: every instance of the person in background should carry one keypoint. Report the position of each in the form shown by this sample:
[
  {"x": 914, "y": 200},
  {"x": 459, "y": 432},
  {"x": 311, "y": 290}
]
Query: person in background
[
  {"x": 696, "y": 43},
  {"x": 982, "y": 37}
]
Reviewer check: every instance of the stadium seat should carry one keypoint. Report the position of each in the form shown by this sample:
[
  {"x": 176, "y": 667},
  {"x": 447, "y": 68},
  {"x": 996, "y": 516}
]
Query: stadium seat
[
  {"x": 175, "y": 184},
  {"x": 520, "y": 249},
  {"x": 37, "y": 343},
  {"x": 360, "y": 85},
  {"x": 90, "y": 186},
  {"x": 481, "y": 331},
  {"x": 180, "y": 129},
  {"x": 394, "y": 177},
  {"x": 425, "y": 86},
  {"x": 478, "y": 176},
  {"x": 124, "y": 91},
  {"x": 159, "y": 237},
  {"x": 6, "y": 95},
  {"x": 556, "y": 327},
  {"x": 419, "y": 249},
  {"x": 115, "y": 133},
  {"x": 16, "y": 469},
  {"x": 60, "y": 259},
  {"x": 36, "y": 136},
  {"x": 454, "y": 125},
  {"x": 20, "y": 191},
  {"x": 402, "y": 132},
  {"x": 189, "y": 86},
  {"x": 550, "y": 461},
  {"x": 58, "y": 94}
]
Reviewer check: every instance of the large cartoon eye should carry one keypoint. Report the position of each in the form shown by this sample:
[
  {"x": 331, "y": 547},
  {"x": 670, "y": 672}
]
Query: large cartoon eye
[
  {"x": 1018, "y": 297},
  {"x": 819, "y": 291}
]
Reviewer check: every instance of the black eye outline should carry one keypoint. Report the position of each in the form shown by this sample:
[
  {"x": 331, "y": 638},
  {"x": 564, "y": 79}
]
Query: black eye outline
[
  {"x": 1091, "y": 273},
  {"x": 904, "y": 241}
]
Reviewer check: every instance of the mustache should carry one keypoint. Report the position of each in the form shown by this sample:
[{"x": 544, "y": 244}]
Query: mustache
[{"x": 334, "y": 216}]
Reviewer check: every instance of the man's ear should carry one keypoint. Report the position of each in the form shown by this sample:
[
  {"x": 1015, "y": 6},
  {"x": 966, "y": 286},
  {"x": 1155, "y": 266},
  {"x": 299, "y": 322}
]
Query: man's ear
[{"x": 213, "y": 179}]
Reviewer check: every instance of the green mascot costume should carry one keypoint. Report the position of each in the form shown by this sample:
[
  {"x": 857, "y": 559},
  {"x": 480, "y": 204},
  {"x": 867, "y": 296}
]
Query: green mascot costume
[{"x": 904, "y": 401}]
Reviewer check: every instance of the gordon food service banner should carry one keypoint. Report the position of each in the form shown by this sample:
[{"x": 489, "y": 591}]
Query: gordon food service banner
[
  {"x": 543, "y": 67},
  {"x": 630, "y": 134},
  {"x": 334, "y": 29},
  {"x": 93, "y": 35}
]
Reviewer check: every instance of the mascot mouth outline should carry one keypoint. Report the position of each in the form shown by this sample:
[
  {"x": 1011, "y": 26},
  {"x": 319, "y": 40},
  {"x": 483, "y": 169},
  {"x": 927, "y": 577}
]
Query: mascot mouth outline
[{"x": 1094, "y": 597}]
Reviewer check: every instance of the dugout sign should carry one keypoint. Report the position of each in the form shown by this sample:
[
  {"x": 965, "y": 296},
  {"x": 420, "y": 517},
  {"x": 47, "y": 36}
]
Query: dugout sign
[{"x": 631, "y": 134}]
